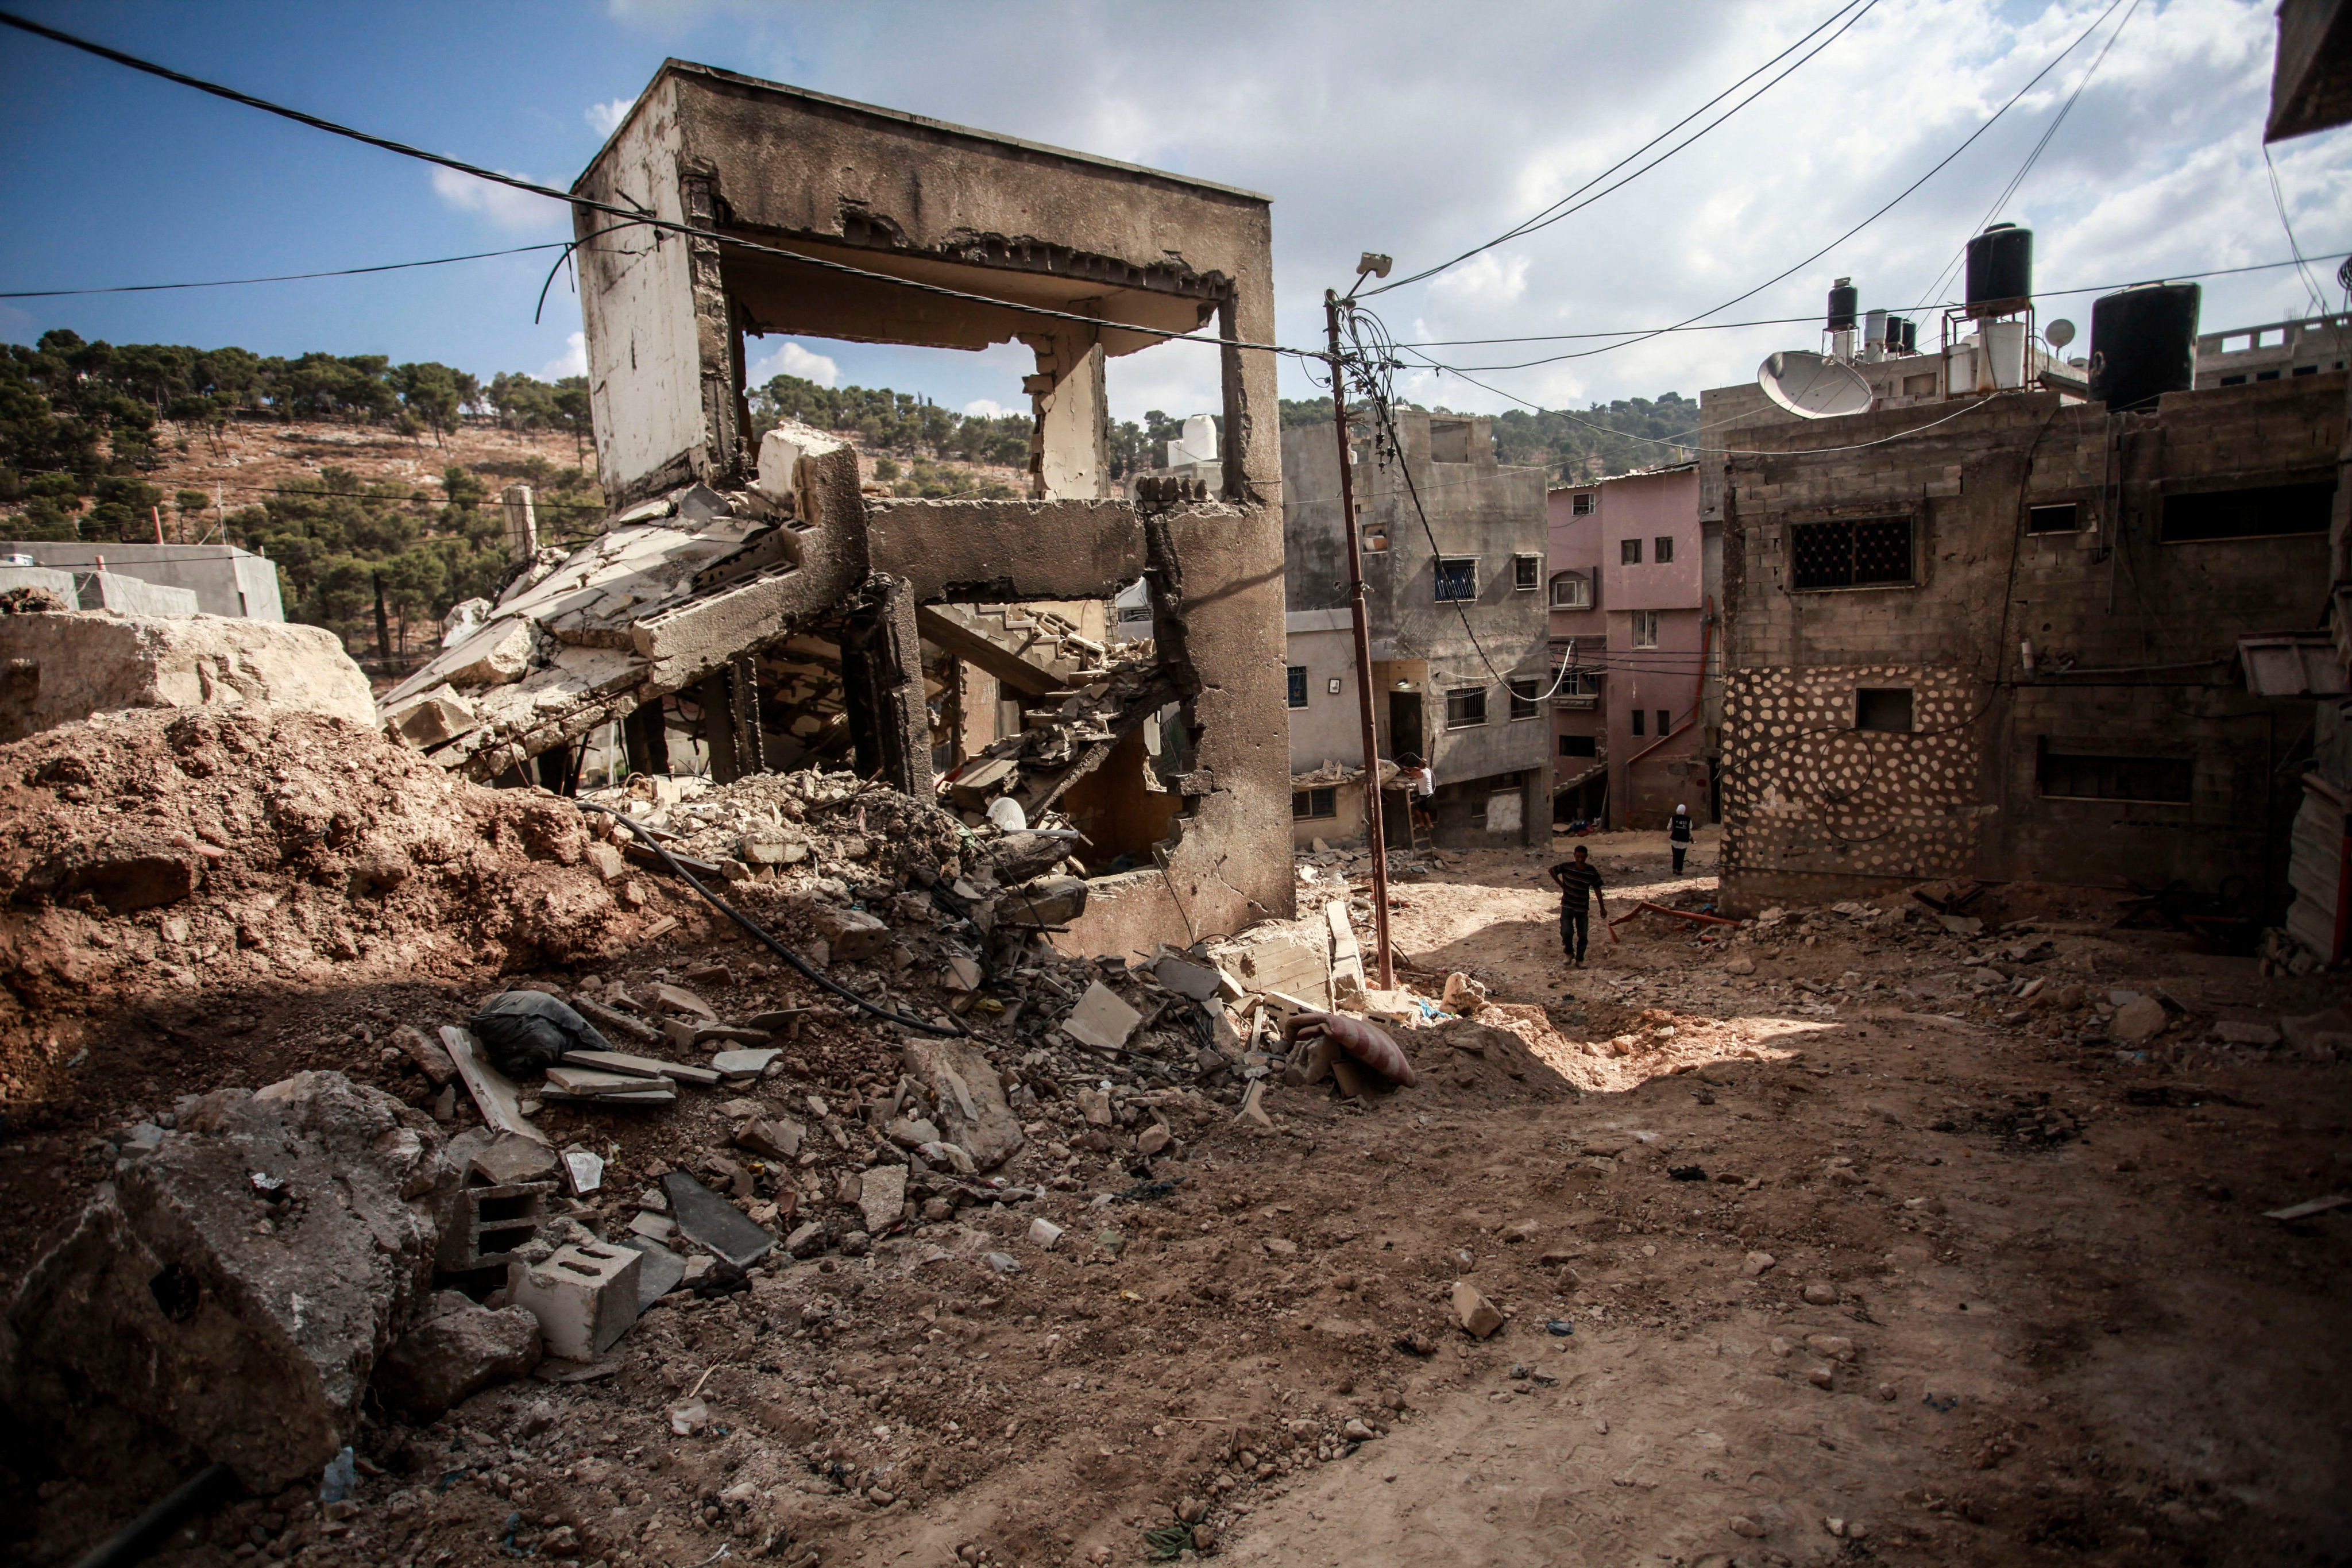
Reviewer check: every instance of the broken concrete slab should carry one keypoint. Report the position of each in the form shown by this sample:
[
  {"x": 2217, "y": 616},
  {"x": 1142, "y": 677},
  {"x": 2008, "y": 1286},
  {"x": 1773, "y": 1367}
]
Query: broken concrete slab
[
  {"x": 64, "y": 668},
  {"x": 659, "y": 1272},
  {"x": 430, "y": 1059},
  {"x": 1102, "y": 1018},
  {"x": 1476, "y": 1316},
  {"x": 711, "y": 1222},
  {"x": 506, "y": 1159},
  {"x": 881, "y": 1196},
  {"x": 970, "y": 1099},
  {"x": 495, "y": 1096},
  {"x": 170, "y": 1316},
  {"x": 1186, "y": 978},
  {"x": 679, "y": 999},
  {"x": 454, "y": 1351},
  {"x": 744, "y": 1064},
  {"x": 771, "y": 1137},
  {"x": 649, "y": 1067}
]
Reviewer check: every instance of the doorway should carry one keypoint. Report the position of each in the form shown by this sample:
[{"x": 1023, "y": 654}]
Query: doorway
[{"x": 1405, "y": 727}]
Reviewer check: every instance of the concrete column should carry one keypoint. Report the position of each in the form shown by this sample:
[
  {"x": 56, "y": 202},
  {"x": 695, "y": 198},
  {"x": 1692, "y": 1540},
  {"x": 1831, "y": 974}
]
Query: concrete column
[
  {"x": 522, "y": 523},
  {"x": 731, "y": 720},
  {"x": 1070, "y": 453},
  {"x": 882, "y": 680}
]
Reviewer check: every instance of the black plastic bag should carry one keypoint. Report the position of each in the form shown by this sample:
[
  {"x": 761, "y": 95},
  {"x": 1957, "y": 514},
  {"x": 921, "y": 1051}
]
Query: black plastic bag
[{"x": 529, "y": 1031}]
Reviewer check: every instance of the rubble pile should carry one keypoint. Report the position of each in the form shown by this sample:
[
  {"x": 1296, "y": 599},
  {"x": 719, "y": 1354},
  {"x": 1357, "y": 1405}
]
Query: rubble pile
[{"x": 154, "y": 851}]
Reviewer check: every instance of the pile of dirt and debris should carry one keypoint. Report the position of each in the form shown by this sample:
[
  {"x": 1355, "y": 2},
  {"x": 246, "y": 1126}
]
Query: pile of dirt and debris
[{"x": 154, "y": 852}]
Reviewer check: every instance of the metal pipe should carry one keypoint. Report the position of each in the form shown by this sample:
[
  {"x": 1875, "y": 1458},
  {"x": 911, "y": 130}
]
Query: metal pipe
[
  {"x": 1358, "y": 602},
  {"x": 150, "y": 1530}
]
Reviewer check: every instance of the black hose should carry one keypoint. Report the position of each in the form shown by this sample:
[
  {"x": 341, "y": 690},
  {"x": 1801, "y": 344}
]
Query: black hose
[
  {"x": 142, "y": 1535},
  {"x": 904, "y": 1020}
]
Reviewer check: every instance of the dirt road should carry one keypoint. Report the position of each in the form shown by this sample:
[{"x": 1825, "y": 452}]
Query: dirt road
[{"x": 1817, "y": 1242}]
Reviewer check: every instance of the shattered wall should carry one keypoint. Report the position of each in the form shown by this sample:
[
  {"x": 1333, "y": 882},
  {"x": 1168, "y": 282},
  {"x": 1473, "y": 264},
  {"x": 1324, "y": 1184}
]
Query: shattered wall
[
  {"x": 753, "y": 595},
  {"x": 2041, "y": 689}
]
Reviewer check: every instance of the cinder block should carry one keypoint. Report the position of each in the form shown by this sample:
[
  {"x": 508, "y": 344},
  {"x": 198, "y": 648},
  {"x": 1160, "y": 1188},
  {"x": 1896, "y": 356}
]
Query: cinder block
[
  {"x": 584, "y": 1296},
  {"x": 490, "y": 1222}
]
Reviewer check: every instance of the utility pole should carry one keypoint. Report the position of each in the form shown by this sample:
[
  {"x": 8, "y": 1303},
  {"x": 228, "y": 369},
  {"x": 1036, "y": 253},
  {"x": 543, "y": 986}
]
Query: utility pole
[{"x": 1358, "y": 601}]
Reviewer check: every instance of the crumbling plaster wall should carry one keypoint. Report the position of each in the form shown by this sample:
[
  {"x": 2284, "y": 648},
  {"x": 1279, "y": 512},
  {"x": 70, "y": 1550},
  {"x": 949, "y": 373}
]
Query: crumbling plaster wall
[
  {"x": 919, "y": 199},
  {"x": 1817, "y": 809}
]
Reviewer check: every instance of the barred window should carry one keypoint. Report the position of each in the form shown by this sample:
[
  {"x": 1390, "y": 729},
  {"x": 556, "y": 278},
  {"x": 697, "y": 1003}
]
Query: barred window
[
  {"x": 1859, "y": 552},
  {"x": 1298, "y": 685},
  {"x": 1465, "y": 708},
  {"x": 1310, "y": 805},
  {"x": 1526, "y": 703},
  {"x": 1457, "y": 578},
  {"x": 2072, "y": 775}
]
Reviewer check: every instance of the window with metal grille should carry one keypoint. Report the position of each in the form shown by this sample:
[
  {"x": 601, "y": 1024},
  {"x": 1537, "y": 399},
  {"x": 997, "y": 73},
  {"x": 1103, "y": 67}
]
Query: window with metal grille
[
  {"x": 1579, "y": 745},
  {"x": 1629, "y": 552},
  {"x": 1465, "y": 708},
  {"x": 1306, "y": 805},
  {"x": 2059, "y": 517},
  {"x": 1298, "y": 686},
  {"x": 1887, "y": 707},
  {"x": 1664, "y": 551},
  {"x": 1526, "y": 573},
  {"x": 1571, "y": 591},
  {"x": 1857, "y": 552},
  {"x": 1581, "y": 506},
  {"x": 1523, "y": 698},
  {"x": 1645, "y": 628},
  {"x": 2074, "y": 775},
  {"x": 1457, "y": 578},
  {"x": 2248, "y": 514}
]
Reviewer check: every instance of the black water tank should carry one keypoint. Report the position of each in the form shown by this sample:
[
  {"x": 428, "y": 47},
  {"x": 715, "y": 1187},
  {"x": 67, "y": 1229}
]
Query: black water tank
[
  {"x": 2143, "y": 344},
  {"x": 2001, "y": 271},
  {"x": 1843, "y": 297},
  {"x": 1902, "y": 335}
]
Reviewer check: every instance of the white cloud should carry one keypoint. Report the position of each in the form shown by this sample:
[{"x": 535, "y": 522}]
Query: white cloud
[
  {"x": 791, "y": 359},
  {"x": 986, "y": 408},
  {"x": 502, "y": 204},
  {"x": 605, "y": 118},
  {"x": 2158, "y": 170},
  {"x": 573, "y": 362}
]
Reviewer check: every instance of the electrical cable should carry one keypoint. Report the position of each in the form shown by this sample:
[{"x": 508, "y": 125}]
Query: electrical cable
[
  {"x": 1897, "y": 200},
  {"x": 286, "y": 277},
  {"x": 2017, "y": 179},
  {"x": 569, "y": 199},
  {"x": 1561, "y": 208},
  {"x": 1800, "y": 320},
  {"x": 904, "y": 1020},
  {"x": 2311, "y": 286}
]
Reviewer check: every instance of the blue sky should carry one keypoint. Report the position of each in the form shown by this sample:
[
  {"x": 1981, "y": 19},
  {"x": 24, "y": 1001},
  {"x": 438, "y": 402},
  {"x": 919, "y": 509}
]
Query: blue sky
[{"x": 1408, "y": 128}]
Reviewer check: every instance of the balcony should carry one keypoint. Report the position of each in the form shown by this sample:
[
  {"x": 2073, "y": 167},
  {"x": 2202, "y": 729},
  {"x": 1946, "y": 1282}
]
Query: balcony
[{"x": 1580, "y": 704}]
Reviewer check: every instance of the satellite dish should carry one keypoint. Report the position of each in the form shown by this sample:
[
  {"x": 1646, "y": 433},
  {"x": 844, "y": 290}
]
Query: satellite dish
[
  {"x": 1813, "y": 386},
  {"x": 2059, "y": 333}
]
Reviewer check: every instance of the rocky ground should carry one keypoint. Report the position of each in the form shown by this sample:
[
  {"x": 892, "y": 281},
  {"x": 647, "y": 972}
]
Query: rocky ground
[{"x": 1835, "y": 1239}]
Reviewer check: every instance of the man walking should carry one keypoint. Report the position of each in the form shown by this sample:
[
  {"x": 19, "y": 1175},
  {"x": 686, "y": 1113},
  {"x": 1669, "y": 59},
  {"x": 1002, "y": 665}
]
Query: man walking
[
  {"x": 1577, "y": 879},
  {"x": 1678, "y": 835}
]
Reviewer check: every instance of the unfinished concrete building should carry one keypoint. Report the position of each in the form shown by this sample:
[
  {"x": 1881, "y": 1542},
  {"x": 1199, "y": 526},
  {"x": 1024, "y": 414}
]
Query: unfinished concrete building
[
  {"x": 751, "y": 603},
  {"x": 1460, "y": 663},
  {"x": 2003, "y": 647}
]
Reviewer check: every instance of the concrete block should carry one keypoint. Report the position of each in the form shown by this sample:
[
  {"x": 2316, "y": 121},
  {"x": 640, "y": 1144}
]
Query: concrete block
[
  {"x": 584, "y": 1296},
  {"x": 63, "y": 667},
  {"x": 131, "y": 597}
]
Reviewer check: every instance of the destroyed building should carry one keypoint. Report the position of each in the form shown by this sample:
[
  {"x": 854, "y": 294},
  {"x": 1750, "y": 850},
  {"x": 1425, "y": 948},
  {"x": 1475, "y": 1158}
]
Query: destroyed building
[
  {"x": 1458, "y": 630},
  {"x": 751, "y": 608},
  {"x": 1998, "y": 642}
]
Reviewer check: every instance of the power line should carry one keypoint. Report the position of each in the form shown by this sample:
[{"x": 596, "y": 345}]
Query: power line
[
  {"x": 1561, "y": 208},
  {"x": 283, "y": 277},
  {"x": 1899, "y": 196},
  {"x": 647, "y": 219},
  {"x": 2034, "y": 157},
  {"x": 1796, "y": 321}
]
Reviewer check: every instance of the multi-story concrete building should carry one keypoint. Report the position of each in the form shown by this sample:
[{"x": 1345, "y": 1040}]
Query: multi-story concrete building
[
  {"x": 1457, "y": 619},
  {"x": 2002, "y": 646},
  {"x": 1579, "y": 653},
  {"x": 1634, "y": 558}
]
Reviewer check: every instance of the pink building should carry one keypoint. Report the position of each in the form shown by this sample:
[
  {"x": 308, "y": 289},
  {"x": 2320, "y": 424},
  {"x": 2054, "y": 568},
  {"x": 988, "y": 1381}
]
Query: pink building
[{"x": 1627, "y": 611}]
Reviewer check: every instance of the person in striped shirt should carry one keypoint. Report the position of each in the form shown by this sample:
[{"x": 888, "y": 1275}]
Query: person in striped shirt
[{"x": 1577, "y": 879}]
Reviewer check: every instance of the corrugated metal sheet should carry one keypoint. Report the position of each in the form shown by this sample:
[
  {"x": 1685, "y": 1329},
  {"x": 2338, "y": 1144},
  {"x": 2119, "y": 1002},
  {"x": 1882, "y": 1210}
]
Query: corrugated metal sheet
[
  {"x": 2291, "y": 664},
  {"x": 2315, "y": 870}
]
